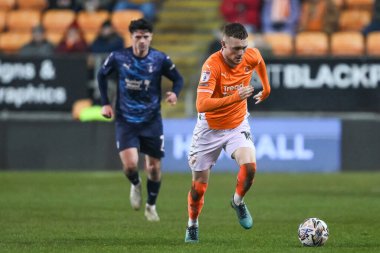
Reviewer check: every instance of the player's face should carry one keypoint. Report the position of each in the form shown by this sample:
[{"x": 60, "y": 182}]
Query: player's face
[
  {"x": 141, "y": 40},
  {"x": 233, "y": 50}
]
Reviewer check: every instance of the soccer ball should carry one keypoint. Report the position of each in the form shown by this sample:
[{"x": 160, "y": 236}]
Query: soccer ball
[{"x": 313, "y": 232}]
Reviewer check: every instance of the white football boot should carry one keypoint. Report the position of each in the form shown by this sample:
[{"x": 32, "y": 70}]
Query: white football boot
[
  {"x": 151, "y": 213},
  {"x": 135, "y": 196}
]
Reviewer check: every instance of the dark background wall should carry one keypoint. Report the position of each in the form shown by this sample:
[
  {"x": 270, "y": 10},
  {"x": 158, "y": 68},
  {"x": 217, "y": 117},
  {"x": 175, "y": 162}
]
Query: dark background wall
[
  {"x": 57, "y": 145},
  {"x": 361, "y": 145}
]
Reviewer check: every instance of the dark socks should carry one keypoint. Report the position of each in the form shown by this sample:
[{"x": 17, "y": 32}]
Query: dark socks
[
  {"x": 153, "y": 189},
  {"x": 133, "y": 177}
]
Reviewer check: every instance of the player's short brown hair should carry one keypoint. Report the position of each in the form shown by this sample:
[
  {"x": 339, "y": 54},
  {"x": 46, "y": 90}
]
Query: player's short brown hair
[{"x": 235, "y": 30}]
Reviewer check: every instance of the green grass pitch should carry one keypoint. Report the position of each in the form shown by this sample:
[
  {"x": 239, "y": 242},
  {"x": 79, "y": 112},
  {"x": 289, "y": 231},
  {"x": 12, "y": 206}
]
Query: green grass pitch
[{"x": 90, "y": 212}]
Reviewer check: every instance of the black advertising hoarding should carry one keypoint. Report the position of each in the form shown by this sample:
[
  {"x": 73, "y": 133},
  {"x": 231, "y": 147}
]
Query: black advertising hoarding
[
  {"x": 322, "y": 84},
  {"x": 42, "y": 84}
]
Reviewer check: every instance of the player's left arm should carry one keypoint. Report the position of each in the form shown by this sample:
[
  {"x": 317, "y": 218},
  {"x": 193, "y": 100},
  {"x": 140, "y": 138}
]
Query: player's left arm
[
  {"x": 262, "y": 72},
  {"x": 171, "y": 72}
]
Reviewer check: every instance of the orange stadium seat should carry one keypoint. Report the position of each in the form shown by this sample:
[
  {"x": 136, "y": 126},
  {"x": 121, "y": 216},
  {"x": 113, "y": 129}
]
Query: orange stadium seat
[
  {"x": 281, "y": 43},
  {"x": 347, "y": 44},
  {"x": 360, "y": 4},
  {"x": 373, "y": 44},
  {"x": 311, "y": 43},
  {"x": 89, "y": 37},
  {"x": 121, "y": 19},
  {"x": 354, "y": 20},
  {"x": 32, "y": 4},
  {"x": 11, "y": 42},
  {"x": 54, "y": 37},
  {"x": 7, "y": 4},
  {"x": 91, "y": 21},
  {"x": 3, "y": 16},
  {"x": 58, "y": 20},
  {"x": 23, "y": 20},
  {"x": 339, "y": 3},
  {"x": 127, "y": 39}
]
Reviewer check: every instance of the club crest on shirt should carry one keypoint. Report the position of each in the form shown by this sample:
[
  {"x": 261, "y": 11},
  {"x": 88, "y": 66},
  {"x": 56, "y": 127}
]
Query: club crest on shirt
[
  {"x": 205, "y": 76},
  {"x": 247, "y": 69}
]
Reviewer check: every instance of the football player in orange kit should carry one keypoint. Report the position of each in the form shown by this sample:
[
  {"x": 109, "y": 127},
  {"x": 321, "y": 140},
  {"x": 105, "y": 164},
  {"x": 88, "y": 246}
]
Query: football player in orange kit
[{"x": 222, "y": 94}]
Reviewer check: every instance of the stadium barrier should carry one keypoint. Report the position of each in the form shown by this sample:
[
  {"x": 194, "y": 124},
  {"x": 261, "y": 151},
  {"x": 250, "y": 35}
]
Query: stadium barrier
[{"x": 283, "y": 145}]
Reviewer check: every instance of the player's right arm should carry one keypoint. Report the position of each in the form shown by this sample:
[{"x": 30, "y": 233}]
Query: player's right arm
[
  {"x": 210, "y": 78},
  {"x": 106, "y": 69},
  {"x": 205, "y": 103}
]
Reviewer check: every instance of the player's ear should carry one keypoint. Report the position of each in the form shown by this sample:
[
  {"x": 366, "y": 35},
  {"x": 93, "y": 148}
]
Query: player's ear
[{"x": 223, "y": 43}]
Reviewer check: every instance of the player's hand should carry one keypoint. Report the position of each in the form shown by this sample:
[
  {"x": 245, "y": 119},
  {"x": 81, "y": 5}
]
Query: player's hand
[
  {"x": 261, "y": 96},
  {"x": 171, "y": 98},
  {"x": 245, "y": 92},
  {"x": 107, "y": 111}
]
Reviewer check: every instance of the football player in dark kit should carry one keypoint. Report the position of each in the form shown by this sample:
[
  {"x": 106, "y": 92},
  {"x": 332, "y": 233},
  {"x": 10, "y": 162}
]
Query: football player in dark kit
[{"x": 137, "y": 114}]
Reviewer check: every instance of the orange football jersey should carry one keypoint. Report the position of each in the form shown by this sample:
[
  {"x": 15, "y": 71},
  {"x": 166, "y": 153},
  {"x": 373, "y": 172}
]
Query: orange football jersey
[{"x": 221, "y": 81}]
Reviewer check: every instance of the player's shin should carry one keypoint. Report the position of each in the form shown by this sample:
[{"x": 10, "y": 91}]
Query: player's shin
[
  {"x": 195, "y": 201},
  {"x": 244, "y": 182},
  {"x": 153, "y": 188}
]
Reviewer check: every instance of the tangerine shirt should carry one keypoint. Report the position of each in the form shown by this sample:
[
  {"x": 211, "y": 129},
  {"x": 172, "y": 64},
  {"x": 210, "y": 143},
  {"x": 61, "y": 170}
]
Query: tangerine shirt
[{"x": 218, "y": 100}]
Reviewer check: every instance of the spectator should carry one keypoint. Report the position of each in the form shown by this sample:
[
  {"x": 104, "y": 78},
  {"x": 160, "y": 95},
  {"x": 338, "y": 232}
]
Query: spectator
[
  {"x": 246, "y": 12},
  {"x": 148, "y": 8},
  {"x": 72, "y": 41},
  {"x": 39, "y": 45},
  {"x": 107, "y": 40},
  {"x": 319, "y": 15},
  {"x": 375, "y": 22},
  {"x": 280, "y": 16},
  {"x": 62, "y": 4},
  {"x": 94, "y": 5}
]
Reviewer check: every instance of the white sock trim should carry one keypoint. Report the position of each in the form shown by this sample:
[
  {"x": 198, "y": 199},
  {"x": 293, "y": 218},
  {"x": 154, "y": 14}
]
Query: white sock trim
[
  {"x": 237, "y": 199},
  {"x": 192, "y": 222}
]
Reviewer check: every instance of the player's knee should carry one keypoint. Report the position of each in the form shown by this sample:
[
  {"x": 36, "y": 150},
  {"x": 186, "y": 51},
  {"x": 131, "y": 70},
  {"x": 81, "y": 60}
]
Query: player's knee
[
  {"x": 154, "y": 174},
  {"x": 198, "y": 190},
  {"x": 130, "y": 170}
]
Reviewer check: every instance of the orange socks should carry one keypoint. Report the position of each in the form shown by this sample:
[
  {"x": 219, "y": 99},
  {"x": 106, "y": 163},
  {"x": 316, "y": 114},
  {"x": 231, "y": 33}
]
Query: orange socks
[
  {"x": 195, "y": 199},
  {"x": 245, "y": 178}
]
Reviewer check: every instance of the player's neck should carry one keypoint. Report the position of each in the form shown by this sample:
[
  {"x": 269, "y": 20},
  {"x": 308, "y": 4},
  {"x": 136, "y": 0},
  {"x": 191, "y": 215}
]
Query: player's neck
[{"x": 140, "y": 53}]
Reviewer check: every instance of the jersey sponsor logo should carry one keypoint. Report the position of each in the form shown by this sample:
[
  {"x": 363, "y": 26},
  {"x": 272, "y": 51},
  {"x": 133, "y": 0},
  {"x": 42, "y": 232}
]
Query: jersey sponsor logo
[
  {"x": 247, "y": 69},
  {"x": 229, "y": 89},
  {"x": 205, "y": 76},
  {"x": 137, "y": 84},
  {"x": 126, "y": 66}
]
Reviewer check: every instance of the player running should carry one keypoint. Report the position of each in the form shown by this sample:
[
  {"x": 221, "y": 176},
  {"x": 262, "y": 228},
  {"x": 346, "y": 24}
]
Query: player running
[
  {"x": 222, "y": 122},
  {"x": 138, "y": 109}
]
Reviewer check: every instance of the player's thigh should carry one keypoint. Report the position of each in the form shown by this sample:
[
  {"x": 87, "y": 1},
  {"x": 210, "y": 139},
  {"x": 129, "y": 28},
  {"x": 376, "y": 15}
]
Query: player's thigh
[
  {"x": 245, "y": 155},
  {"x": 205, "y": 148},
  {"x": 240, "y": 145},
  {"x": 129, "y": 158}
]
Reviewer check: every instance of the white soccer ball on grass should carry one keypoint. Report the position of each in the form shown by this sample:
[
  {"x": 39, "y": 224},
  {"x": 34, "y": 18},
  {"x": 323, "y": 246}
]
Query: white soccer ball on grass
[{"x": 313, "y": 232}]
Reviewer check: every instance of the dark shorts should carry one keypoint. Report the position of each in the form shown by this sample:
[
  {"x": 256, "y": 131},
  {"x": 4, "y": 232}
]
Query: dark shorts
[{"x": 148, "y": 137}]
